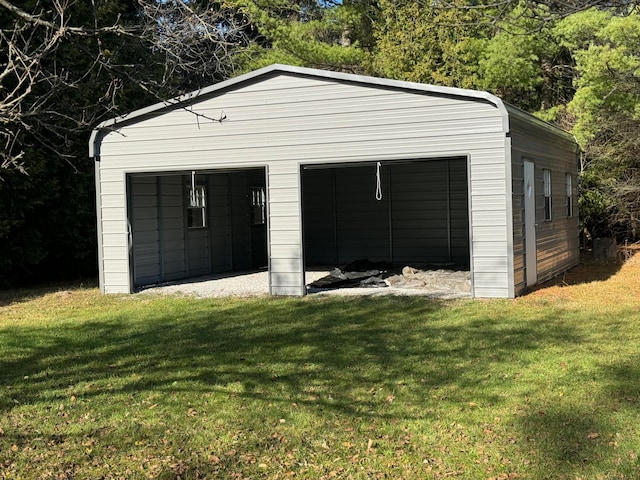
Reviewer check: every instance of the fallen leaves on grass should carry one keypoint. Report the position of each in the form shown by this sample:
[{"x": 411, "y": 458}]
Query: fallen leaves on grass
[{"x": 612, "y": 283}]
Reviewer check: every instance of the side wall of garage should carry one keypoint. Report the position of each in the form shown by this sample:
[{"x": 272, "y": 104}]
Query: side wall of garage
[{"x": 557, "y": 240}]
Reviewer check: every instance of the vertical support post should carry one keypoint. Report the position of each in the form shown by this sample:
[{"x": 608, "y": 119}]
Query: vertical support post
[{"x": 98, "y": 183}]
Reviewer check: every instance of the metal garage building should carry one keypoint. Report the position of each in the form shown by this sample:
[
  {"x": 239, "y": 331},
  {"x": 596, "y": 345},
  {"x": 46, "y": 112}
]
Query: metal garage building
[{"x": 288, "y": 167}]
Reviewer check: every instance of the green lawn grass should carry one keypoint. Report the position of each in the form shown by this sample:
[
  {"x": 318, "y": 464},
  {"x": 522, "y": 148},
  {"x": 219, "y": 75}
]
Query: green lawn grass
[{"x": 545, "y": 386}]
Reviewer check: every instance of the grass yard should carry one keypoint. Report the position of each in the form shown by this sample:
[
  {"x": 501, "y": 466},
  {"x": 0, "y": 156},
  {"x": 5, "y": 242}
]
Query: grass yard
[{"x": 546, "y": 386}]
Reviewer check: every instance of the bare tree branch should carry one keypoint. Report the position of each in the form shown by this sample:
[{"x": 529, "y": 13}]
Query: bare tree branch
[
  {"x": 182, "y": 46},
  {"x": 60, "y": 24}
]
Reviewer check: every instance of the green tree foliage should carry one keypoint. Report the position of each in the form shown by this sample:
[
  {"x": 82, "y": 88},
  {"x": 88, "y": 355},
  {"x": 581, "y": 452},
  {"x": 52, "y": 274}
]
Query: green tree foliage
[
  {"x": 420, "y": 43},
  {"x": 511, "y": 56},
  {"x": 199, "y": 42},
  {"x": 309, "y": 33},
  {"x": 606, "y": 108},
  {"x": 525, "y": 65},
  {"x": 47, "y": 222},
  {"x": 87, "y": 61},
  {"x": 47, "y": 219}
]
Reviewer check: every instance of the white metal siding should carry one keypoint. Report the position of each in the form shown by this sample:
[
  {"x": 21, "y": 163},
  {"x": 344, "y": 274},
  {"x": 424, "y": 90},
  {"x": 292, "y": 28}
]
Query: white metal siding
[
  {"x": 285, "y": 120},
  {"x": 286, "y": 270},
  {"x": 158, "y": 231}
]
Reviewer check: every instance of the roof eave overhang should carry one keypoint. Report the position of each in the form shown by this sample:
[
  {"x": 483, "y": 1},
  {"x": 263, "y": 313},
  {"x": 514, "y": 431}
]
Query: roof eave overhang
[{"x": 527, "y": 117}]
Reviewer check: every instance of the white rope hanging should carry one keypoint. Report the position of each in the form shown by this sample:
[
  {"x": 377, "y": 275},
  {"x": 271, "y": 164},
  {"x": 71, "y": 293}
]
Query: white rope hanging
[{"x": 378, "y": 182}]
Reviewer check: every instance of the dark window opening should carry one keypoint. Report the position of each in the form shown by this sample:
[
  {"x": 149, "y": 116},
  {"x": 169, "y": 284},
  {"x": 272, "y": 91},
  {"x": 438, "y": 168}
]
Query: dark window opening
[
  {"x": 196, "y": 210},
  {"x": 569, "y": 195},
  {"x": 258, "y": 206},
  {"x": 546, "y": 184}
]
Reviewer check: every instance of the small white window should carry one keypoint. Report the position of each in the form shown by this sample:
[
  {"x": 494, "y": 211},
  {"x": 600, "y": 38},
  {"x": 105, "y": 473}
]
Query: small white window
[
  {"x": 569, "y": 194},
  {"x": 258, "y": 206},
  {"x": 546, "y": 186},
  {"x": 196, "y": 207}
]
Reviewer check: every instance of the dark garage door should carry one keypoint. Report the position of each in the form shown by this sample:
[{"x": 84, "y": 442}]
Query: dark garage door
[
  {"x": 166, "y": 247},
  {"x": 422, "y": 217}
]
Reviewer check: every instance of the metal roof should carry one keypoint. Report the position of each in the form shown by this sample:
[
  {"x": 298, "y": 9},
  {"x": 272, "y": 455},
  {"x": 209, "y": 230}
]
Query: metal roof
[{"x": 275, "y": 69}]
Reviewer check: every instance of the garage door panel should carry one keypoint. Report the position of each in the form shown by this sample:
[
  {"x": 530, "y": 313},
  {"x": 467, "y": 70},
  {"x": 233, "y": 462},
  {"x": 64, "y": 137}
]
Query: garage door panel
[
  {"x": 429, "y": 209},
  {"x": 427, "y": 218}
]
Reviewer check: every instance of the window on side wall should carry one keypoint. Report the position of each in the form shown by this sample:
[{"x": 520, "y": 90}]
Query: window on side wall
[
  {"x": 258, "y": 206},
  {"x": 196, "y": 207},
  {"x": 568, "y": 183},
  {"x": 546, "y": 187}
]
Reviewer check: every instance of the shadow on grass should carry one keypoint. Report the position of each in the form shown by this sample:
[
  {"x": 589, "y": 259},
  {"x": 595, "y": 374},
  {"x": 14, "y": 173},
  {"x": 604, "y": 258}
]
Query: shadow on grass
[
  {"x": 587, "y": 271},
  {"x": 19, "y": 295},
  {"x": 578, "y": 435},
  {"x": 330, "y": 354},
  {"x": 280, "y": 350},
  {"x": 624, "y": 381},
  {"x": 576, "y": 440},
  {"x": 567, "y": 439}
]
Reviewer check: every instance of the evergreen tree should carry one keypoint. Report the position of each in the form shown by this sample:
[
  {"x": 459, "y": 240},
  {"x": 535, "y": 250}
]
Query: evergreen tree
[
  {"x": 606, "y": 108},
  {"x": 311, "y": 33}
]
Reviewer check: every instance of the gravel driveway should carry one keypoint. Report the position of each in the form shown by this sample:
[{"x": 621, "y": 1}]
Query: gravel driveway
[{"x": 251, "y": 284}]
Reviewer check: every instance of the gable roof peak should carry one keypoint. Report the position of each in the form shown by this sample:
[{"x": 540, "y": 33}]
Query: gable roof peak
[{"x": 269, "y": 71}]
